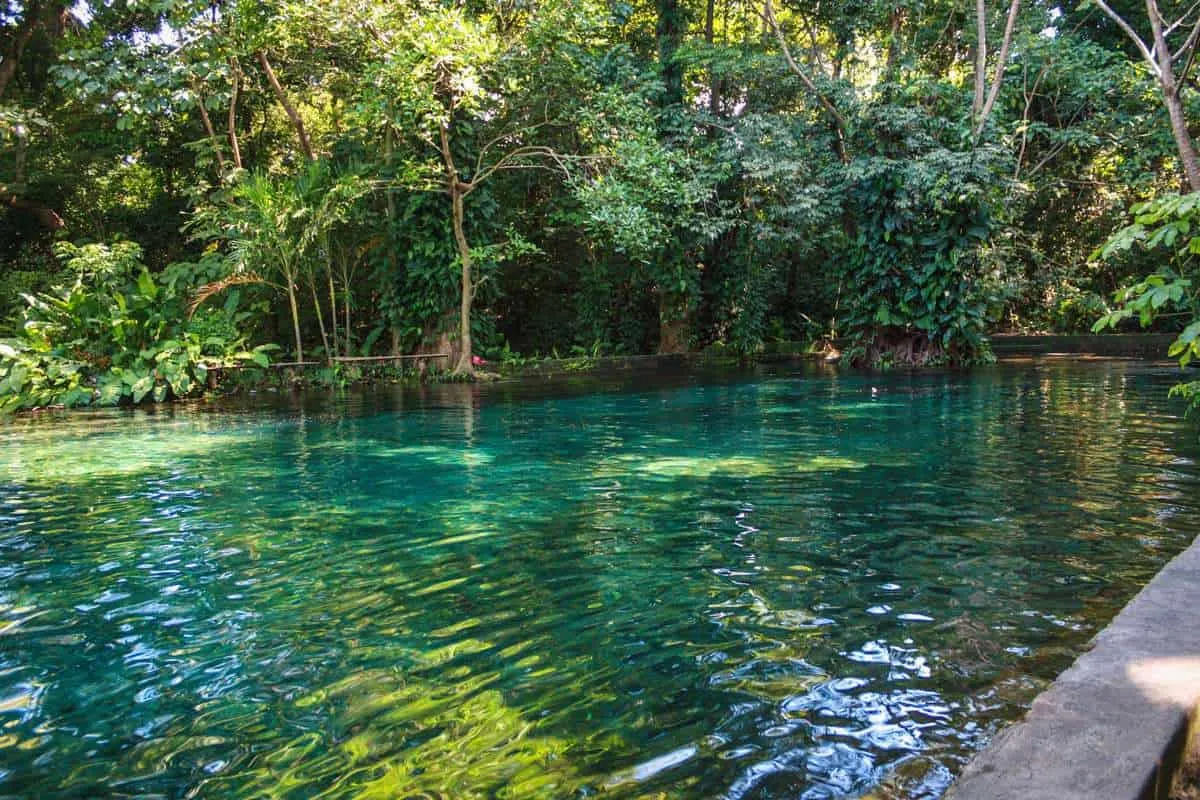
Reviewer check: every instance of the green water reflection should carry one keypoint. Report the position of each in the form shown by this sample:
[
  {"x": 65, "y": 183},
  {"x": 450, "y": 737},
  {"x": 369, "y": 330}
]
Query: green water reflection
[{"x": 793, "y": 584}]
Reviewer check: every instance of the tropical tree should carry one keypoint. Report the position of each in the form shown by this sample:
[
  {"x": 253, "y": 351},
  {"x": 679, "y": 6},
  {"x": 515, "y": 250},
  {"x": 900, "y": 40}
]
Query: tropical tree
[
  {"x": 1169, "y": 52},
  {"x": 275, "y": 230}
]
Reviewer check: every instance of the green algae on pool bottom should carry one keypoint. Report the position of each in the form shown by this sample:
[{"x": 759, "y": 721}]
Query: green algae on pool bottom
[{"x": 671, "y": 591}]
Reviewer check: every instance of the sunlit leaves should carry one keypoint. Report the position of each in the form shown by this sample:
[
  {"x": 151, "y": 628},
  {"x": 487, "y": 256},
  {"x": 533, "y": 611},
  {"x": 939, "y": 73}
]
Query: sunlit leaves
[{"x": 1172, "y": 223}]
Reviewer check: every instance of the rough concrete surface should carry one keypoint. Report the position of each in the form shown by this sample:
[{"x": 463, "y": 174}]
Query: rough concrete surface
[{"x": 1112, "y": 726}]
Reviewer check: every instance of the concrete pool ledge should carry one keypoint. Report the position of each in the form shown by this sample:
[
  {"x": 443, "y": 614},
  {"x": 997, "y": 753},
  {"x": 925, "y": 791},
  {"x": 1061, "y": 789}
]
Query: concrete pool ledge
[{"x": 1114, "y": 725}]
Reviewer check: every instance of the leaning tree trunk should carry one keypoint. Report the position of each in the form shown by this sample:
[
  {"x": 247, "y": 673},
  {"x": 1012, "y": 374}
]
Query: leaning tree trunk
[
  {"x": 333, "y": 318},
  {"x": 289, "y": 109},
  {"x": 321, "y": 322},
  {"x": 837, "y": 120},
  {"x": 1170, "y": 90},
  {"x": 291, "y": 290},
  {"x": 1183, "y": 139}
]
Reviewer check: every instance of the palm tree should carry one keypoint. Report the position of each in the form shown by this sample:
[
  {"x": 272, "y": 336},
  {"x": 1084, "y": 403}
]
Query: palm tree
[{"x": 276, "y": 226}]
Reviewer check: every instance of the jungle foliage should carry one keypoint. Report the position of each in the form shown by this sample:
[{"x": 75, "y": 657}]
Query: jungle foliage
[{"x": 359, "y": 178}]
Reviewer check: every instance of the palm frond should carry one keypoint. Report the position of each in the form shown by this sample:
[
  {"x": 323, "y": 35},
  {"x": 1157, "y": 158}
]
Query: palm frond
[{"x": 206, "y": 291}]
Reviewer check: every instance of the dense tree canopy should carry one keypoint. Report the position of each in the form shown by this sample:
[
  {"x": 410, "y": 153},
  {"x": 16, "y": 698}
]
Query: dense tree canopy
[{"x": 357, "y": 177}]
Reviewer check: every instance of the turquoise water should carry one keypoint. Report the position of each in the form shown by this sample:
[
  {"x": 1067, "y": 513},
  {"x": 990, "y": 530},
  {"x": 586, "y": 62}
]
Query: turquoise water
[{"x": 773, "y": 585}]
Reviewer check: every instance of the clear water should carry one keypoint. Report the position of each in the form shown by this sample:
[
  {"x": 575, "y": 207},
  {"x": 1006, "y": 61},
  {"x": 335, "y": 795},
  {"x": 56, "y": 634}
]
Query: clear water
[{"x": 789, "y": 585}]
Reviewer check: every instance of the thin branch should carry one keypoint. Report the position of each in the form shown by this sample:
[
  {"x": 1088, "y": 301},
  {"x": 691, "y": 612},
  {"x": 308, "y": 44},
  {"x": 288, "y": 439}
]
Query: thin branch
[
  {"x": 1133, "y": 35},
  {"x": 506, "y": 135},
  {"x": 282, "y": 97},
  {"x": 838, "y": 120},
  {"x": 726, "y": 128},
  {"x": 1190, "y": 44},
  {"x": 1001, "y": 66},
  {"x": 530, "y": 151},
  {"x": 1029, "y": 94},
  {"x": 815, "y": 47},
  {"x": 1054, "y": 151},
  {"x": 1171, "y": 28},
  {"x": 1189, "y": 47},
  {"x": 555, "y": 168},
  {"x": 208, "y": 127}
]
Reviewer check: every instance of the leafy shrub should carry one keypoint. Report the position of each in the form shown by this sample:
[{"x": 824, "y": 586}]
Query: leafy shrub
[
  {"x": 924, "y": 212},
  {"x": 1171, "y": 223},
  {"x": 115, "y": 333}
]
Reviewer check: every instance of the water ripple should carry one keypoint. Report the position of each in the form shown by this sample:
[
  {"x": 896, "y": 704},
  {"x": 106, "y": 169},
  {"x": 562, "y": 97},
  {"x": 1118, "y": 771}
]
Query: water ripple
[{"x": 806, "y": 585}]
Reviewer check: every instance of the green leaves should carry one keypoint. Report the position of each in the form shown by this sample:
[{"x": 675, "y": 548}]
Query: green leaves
[
  {"x": 139, "y": 385},
  {"x": 921, "y": 223},
  {"x": 1187, "y": 346},
  {"x": 260, "y": 358},
  {"x": 116, "y": 334},
  {"x": 1167, "y": 223},
  {"x": 146, "y": 285}
]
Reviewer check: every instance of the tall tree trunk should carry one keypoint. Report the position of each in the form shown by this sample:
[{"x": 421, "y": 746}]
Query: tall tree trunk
[
  {"x": 53, "y": 19},
  {"x": 291, "y": 290},
  {"x": 333, "y": 312},
  {"x": 281, "y": 96},
  {"x": 669, "y": 32},
  {"x": 1183, "y": 139},
  {"x": 1161, "y": 60},
  {"x": 893, "y": 52},
  {"x": 466, "y": 365},
  {"x": 672, "y": 324},
  {"x": 333, "y": 309},
  {"x": 348, "y": 343},
  {"x": 458, "y": 191},
  {"x": 389, "y": 136},
  {"x": 320, "y": 320},
  {"x": 20, "y": 157},
  {"x": 980, "y": 59},
  {"x": 235, "y": 80}
]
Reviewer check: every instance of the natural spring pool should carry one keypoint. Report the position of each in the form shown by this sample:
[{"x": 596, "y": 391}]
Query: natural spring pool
[{"x": 792, "y": 583}]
